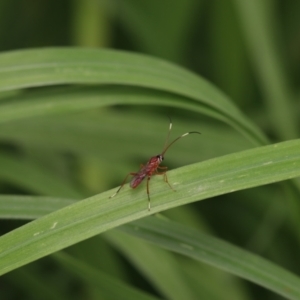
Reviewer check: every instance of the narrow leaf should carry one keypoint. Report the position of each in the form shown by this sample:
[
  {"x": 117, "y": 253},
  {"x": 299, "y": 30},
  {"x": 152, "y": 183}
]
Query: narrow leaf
[{"x": 97, "y": 214}]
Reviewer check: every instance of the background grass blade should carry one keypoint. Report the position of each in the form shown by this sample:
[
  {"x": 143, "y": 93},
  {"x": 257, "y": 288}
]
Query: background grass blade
[
  {"x": 109, "y": 287},
  {"x": 174, "y": 237},
  {"x": 257, "y": 22},
  {"x": 149, "y": 259},
  {"x": 31, "y": 283},
  {"x": 32, "y": 68},
  {"x": 194, "y": 182},
  {"x": 80, "y": 134},
  {"x": 178, "y": 238},
  {"x": 28, "y": 174}
]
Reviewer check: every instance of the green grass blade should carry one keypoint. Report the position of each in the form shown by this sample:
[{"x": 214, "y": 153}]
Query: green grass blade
[
  {"x": 90, "y": 24},
  {"x": 29, "y": 175},
  {"x": 111, "y": 288},
  {"x": 194, "y": 182},
  {"x": 29, "y": 207},
  {"x": 158, "y": 265},
  {"x": 89, "y": 135},
  {"x": 35, "y": 68},
  {"x": 148, "y": 25},
  {"x": 257, "y": 27},
  {"x": 146, "y": 258},
  {"x": 79, "y": 98},
  {"x": 175, "y": 237},
  {"x": 33, "y": 284},
  {"x": 189, "y": 242}
]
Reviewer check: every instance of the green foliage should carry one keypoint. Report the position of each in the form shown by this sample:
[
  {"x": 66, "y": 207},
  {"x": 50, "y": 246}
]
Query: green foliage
[{"x": 74, "y": 121}]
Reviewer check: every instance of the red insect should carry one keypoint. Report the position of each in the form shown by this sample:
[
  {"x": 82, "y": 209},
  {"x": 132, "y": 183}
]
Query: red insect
[{"x": 152, "y": 167}]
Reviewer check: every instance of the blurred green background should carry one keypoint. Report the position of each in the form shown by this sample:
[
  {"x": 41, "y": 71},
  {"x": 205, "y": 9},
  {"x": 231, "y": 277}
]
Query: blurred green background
[{"x": 249, "y": 50}]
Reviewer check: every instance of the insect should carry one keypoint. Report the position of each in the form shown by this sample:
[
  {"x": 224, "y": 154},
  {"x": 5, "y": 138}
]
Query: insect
[{"x": 152, "y": 167}]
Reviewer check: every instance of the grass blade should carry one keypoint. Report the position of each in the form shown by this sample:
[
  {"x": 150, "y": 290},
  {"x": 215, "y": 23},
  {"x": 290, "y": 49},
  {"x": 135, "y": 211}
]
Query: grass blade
[
  {"x": 110, "y": 287},
  {"x": 35, "y": 68},
  {"x": 97, "y": 214},
  {"x": 181, "y": 239},
  {"x": 257, "y": 29},
  {"x": 189, "y": 242}
]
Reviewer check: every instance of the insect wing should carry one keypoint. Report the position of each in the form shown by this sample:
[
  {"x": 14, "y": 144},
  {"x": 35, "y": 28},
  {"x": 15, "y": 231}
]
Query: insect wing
[{"x": 137, "y": 179}]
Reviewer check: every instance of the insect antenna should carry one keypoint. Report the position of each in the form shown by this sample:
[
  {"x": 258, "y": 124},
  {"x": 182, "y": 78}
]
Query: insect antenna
[
  {"x": 183, "y": 135},
  {"x": 168, "y": 134}
]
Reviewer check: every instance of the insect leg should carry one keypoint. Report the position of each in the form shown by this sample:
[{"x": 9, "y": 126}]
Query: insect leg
[
  {"x": 124, "y": 181},
  {"x": 163, "y": 168},
  {"x": 148, "y": 193},
  {"x": 165, "y": 176},
  {"x": 166, "y": 180}
]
